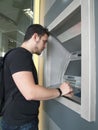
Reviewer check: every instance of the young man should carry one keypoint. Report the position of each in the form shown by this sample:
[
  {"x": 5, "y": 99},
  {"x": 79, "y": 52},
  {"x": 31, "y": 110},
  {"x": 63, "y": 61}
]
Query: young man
[{"x": 20, "y": 74}]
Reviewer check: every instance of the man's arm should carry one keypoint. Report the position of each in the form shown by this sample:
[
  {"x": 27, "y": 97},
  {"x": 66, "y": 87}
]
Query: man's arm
[{"x": 25, "y": 82}]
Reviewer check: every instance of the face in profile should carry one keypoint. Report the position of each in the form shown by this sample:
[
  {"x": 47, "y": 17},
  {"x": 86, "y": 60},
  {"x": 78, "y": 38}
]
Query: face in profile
[{"x": 41, "y": 44}]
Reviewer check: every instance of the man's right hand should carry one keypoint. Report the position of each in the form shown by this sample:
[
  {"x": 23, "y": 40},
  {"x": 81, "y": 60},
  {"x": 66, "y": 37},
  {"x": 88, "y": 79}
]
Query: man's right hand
[{"x": 65, "y": 88}]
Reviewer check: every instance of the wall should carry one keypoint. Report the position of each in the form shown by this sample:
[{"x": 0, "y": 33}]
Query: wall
[{"x": 57, "y": 116}]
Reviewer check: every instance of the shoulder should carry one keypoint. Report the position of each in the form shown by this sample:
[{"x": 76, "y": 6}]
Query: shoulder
[
  {"x": 18, "y": 53},
  {"x": 19, "y": 50},
  {"x": 19, "y": 59}
]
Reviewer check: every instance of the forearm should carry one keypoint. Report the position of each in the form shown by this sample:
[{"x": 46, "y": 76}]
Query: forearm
[
  {"x": 43, "y": 93},
  {"x": 26, "y": 85}
]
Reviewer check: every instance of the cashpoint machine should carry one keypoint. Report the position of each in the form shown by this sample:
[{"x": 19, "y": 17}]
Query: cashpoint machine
[
  {"x": 66, "y": 67},
  {"x": 70, "y": 56},
  {"x": 72, "y": 75}
]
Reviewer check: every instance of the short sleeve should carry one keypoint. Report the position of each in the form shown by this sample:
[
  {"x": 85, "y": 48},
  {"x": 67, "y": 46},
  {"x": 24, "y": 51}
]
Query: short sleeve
[{"x": 20, "y": 61}]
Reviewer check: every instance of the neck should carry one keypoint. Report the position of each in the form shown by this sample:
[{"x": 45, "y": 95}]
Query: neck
[{"x": 26, "y": 46}]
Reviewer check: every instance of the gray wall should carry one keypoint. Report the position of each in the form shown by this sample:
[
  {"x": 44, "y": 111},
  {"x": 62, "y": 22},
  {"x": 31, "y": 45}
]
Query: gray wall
[{"x": 55, "y": 113}]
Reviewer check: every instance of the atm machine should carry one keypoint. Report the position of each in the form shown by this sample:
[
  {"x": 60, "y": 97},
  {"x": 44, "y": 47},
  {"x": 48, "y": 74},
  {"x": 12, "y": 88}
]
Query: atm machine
[
  {"x": 66, "y": 66},
  {"x": 72, "y": 75},
  {"x": 70, "y": 56}
]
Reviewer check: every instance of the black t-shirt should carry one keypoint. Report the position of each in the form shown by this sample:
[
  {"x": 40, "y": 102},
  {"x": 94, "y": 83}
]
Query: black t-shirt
[{"x": 19, "y": 111}]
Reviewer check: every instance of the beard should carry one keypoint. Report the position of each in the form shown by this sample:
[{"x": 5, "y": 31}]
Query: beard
[{"x": 38, "y": 52}]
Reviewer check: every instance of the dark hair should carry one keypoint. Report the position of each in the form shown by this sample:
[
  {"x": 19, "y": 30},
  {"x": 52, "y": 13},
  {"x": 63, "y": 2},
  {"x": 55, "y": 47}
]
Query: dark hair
[{"x": 35, "y": 28}]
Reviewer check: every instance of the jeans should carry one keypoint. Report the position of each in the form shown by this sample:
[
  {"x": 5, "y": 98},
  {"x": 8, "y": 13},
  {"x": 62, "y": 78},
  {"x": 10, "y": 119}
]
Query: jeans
[{"x": 27, "y": 126}]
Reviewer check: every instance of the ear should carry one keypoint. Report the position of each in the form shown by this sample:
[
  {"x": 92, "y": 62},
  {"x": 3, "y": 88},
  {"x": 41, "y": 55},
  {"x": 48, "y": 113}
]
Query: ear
[{"x": 35, "y": 37}]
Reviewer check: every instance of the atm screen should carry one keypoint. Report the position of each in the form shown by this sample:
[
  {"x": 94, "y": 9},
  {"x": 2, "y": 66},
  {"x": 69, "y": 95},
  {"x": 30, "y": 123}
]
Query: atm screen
[{"x": 74, "y": 68}]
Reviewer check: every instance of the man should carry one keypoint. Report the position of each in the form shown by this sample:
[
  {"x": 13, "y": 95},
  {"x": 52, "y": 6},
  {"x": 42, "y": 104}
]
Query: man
[{"x": 20, "y": 74}]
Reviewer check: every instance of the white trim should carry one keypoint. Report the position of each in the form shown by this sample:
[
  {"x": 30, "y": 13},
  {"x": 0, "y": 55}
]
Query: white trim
[
  {"x": 70, "y": 104},
  {"x": 70, "y": 33},
  {"x": 67, "y": 11},
  {"x": 88, "y": 98}
]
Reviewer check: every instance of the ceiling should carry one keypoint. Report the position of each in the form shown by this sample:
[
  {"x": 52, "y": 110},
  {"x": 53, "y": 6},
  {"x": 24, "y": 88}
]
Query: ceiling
[{"x": 12, "y": 17}]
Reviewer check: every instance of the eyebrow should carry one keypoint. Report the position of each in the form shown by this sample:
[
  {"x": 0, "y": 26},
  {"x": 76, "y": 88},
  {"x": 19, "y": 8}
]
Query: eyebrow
[{"x": 45, "y": 40}]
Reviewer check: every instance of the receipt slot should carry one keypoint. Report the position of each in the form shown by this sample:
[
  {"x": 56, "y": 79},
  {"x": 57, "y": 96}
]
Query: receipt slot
[{"x": 70, "y": 56}]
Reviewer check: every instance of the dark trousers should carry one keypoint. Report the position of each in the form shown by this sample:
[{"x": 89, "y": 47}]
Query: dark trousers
[{"x": 27, "y": 126}]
